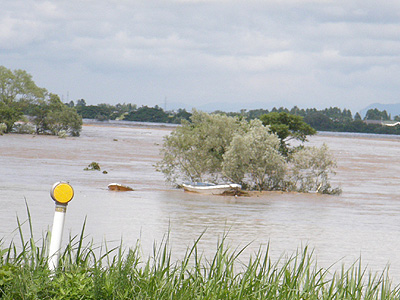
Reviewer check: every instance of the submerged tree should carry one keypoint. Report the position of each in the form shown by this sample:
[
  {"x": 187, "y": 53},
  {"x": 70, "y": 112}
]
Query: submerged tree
[
  {"x": 255, "y": 156},
  {"x": 53, "y": 116},
  {"x": 19, "y": 94},
  {"x": 194, "y": 151},
  {"x": 17, "y": 91},
  {"x": 220, "y": 148},
  {"x": 310, "y": 170}
]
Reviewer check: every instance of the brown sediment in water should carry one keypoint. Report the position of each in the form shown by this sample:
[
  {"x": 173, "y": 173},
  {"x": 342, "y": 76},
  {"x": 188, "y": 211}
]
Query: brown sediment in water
[{"x": 365, "y": 218}]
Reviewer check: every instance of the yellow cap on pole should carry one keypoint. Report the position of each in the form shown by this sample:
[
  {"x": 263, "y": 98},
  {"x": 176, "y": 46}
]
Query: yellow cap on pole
[{"x": 62, "y": 192}]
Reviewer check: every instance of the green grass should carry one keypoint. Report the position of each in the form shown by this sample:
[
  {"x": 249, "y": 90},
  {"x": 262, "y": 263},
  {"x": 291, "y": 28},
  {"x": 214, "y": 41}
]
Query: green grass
[{"x": 89, "y": 272}]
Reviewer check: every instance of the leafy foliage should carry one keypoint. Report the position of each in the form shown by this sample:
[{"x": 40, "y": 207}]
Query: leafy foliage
[
  {"x": 287, "y": 126},
  {"x": 17, "y": 91},
  {"x": 256, "y": 154},
  {"x": 311, "y": 168},
  {"x": 147, "y": 114},
  {"x": 9, "y": 114},
  {"x": 19, "y": 94},
  {"x": 376, "y": 114},
  {"x": 3, "y": 128},
  {"x": 195, "y": 150},
  {"x": 51, "y": 115},
  {"x": 332, "y": 119},
  {"x": 130, "y": 112},
  {"x": 93, "y": 166},
  {"x": 218, "y": 148}
]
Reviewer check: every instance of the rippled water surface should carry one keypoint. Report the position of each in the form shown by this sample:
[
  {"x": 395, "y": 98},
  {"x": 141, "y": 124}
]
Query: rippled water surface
[{"x": 363, "y": 221}]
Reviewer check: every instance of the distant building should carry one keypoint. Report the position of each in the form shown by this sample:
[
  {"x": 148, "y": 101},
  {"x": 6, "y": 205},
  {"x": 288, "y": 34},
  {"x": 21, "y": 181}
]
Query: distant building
[{"x": 383, "y": 123}]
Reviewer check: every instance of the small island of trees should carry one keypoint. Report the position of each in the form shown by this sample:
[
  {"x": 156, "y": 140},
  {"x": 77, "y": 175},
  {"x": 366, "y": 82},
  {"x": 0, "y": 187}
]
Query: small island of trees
[{"x": 216, "y": 147}]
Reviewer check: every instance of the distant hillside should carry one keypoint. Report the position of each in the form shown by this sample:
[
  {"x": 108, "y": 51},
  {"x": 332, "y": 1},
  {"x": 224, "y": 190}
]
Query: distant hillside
[{"x": 392, "y": 109}]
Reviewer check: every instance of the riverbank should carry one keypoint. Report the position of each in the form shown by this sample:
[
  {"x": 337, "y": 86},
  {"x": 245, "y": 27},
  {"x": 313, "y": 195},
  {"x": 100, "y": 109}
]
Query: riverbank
[{"x": 120, "y": 274}]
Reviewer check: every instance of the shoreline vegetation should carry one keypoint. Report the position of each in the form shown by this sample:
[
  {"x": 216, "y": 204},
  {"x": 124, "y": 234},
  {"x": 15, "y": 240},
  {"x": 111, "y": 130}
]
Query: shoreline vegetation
[
  {"x": 90, "y": 271},
  {"x": 27, "y": 108},
  {"x": 332, "y": 119}
]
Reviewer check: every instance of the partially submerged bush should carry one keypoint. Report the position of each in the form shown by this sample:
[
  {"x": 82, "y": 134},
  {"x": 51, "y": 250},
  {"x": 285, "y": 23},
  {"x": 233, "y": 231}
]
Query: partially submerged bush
[
  {"x": 218, "y": 148},
  {"x": 194, "y": 151},
  {"x": 62, "y": 134},
  {"x": 253, "y": 158},
  {"x": 24, "y": 128},
  {"x": 3, "y": 128},
  {"x": 52, "y": 116},
  {"x": 310, "y": 169},
  {"x": 93, "y": 166}
]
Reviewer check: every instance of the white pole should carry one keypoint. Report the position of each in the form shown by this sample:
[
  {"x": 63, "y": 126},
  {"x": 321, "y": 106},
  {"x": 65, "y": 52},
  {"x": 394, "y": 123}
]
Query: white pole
[
  {"x": 61, "y": 193},
  {"x": 56, "y": 235}
]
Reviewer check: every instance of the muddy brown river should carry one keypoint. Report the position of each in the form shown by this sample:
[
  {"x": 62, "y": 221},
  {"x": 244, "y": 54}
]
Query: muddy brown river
[{"x": 362, "y": 222}]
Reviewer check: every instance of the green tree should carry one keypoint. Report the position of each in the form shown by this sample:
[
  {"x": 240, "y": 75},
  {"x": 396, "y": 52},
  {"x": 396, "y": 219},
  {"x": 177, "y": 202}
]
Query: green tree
[
  {"x": 297, "y": 111},
  {"x": 337, "y": 115},
  {"x": 376, "y": 114},
  {"x": 255, "y": 155},
  {"x": 357, "y": 116},
  {"x": 311, "y": 168},
  {"x": 180, "y": 115},
  {"x": 319, "y": 121},
  {"x": 9, "y": 114},
  {"x": 81, "y": 102},
  {"x": 287, "y": 127},
  {"x": 194, "y": 151},
  {"x": 99, "y": 112},
  {"x": 53, "y": 116},
  {"x": 218, "y": 147},
  {"x": 147, "y": 114},
  {"x": 17, "y": 91},
  {"x": 255, "y": 113}
]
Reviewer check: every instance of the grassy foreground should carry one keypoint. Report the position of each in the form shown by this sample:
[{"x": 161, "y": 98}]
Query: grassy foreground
[{"x": 119, "y": 274}]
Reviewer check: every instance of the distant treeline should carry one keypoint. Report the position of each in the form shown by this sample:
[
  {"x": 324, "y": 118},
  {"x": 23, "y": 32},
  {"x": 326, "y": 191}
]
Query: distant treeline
[
  {"x": 129, "y": 112},
  {"x": 338, "y": 120},
  {"x": 328, "y": 119},
  {"x": 27, "y": 108}
]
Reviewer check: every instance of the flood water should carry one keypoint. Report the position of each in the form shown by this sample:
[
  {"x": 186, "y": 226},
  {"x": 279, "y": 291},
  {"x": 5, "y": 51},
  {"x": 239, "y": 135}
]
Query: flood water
[{"x": 362, "y": 222}]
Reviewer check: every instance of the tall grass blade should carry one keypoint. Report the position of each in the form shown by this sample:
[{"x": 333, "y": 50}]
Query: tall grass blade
[{"x": 85, "y": 272}]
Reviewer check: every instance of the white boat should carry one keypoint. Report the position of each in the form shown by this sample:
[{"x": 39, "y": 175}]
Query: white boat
[{"x": 210, "y": 188}]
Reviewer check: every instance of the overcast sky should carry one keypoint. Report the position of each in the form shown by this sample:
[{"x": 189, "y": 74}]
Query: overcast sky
[{"x": 245, "y": 54}]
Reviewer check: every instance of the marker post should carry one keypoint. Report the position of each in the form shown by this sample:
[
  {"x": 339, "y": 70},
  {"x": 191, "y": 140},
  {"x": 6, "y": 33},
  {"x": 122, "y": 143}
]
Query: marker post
[{"x": 61, "y": 193}]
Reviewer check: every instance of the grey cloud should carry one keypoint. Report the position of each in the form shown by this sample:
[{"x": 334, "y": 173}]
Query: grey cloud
[{"x": 289, "y": 50}]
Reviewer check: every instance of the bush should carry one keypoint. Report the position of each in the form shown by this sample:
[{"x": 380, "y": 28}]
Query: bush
[
  {"x": 3, "y": 128},
  {"x": 195, "y": 150},
  {"x": 52, "y": 116},
  {"x": 23, "y": 128},
  {"x": 255, "y": 154},
  {"x": 219, "y": 148},
  {"x": 93, "y": 166},
  {"x": 310, "y": 168}
]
